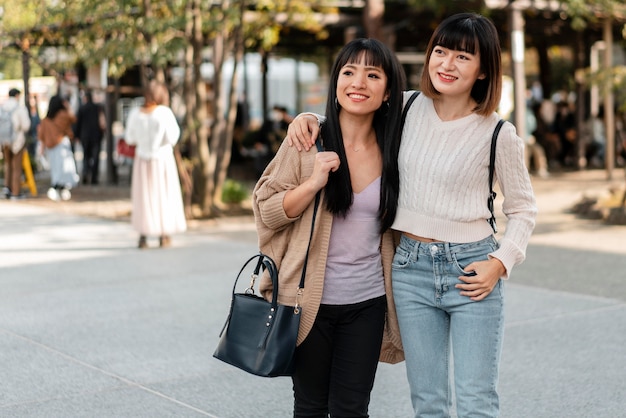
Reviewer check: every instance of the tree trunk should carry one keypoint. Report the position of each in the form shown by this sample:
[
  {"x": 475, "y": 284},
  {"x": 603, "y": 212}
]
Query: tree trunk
[
  {"x": 26, "y": 72},
  {"x": 195, "y": 104},
  {"x": 200, "y": 110},
  {"x": 579, "y": 64},
  {"x": 264, "y": 87},
  {"x": 545, "y": 73},
  {"x": 224, "y": 148},
  {"x": 373, "y": 14}
]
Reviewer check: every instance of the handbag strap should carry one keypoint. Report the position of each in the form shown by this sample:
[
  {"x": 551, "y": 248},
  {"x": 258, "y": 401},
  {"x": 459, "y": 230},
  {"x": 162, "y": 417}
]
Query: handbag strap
[
  {"x": 308, "y": 247},
  {"x": 407, "y": 106},
  {"x": 492, "y": 162},
  {"x": 300, "y": 290}
]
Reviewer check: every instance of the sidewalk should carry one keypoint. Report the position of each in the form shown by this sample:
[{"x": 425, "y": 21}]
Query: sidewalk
[
  {"x": 555, "y": 192},
  {"x": 90, "y": 326}
]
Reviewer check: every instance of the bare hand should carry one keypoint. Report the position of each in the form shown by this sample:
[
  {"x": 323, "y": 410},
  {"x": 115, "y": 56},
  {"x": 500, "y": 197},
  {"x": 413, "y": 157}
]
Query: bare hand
[
  {"x": 482, "y": 283},
  {"x": 296, "y": 200},
  {"x": 325, "y": 163},
  {"x": 303, "y": 131}
]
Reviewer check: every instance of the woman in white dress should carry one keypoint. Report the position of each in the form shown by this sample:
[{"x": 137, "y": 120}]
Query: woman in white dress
[{"x": 157, "y": 204}]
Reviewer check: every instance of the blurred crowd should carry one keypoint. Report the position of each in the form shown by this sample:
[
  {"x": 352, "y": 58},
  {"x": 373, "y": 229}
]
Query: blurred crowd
[{"x": 554, "y": 140}]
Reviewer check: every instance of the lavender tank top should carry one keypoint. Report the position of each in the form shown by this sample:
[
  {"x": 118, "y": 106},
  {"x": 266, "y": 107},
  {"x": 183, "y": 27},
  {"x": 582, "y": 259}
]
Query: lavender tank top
[{"x": 354, "y": 271}]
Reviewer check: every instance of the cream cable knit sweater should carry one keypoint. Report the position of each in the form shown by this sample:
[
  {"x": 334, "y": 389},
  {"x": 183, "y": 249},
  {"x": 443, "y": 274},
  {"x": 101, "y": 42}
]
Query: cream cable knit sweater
[{"x": 444, "y": 181}]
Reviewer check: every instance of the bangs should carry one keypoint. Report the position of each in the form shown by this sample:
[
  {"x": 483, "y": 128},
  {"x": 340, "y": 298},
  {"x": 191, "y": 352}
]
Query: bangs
[
  {"x": 369, "y": 58},
  {"x": 459, "y": 37},
  {"x": 364, "y": 49}
]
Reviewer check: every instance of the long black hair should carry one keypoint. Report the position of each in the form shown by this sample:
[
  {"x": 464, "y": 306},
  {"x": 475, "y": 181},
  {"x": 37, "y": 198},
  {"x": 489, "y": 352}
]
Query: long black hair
[
  {"x": 338, "y": 190},
  {"x": 56, "y": 104}
]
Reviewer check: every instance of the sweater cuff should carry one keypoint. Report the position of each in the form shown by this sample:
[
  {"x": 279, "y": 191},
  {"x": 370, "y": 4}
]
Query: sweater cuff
[
  {"x": 273, "y": 213},
  {"x": 509, "y": 256},
  {"x": 320, "y": 118}
]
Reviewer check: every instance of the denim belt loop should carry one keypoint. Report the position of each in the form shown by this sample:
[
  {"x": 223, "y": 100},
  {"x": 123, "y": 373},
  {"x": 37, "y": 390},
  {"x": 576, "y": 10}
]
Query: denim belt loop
[
  {"x": 416, "y": 250},
  {"x": 446, "y": 246}
]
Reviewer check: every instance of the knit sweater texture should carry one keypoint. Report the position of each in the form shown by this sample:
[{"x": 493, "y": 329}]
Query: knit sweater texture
[
  {"x": 444, "y": 181},
  {"x": 285, "y": 240}
]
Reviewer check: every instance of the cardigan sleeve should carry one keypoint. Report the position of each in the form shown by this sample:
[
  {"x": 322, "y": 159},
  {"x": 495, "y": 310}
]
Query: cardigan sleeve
[{"x": 287, "y": 170}]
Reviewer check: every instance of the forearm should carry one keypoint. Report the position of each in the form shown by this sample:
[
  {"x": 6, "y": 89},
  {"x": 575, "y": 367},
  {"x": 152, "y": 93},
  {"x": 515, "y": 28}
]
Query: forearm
[{"x": 297, "y": 200}]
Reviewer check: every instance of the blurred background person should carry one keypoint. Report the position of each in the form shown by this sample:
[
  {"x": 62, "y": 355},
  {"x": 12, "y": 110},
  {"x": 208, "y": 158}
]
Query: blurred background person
[
  {"x": 157, "y": 203},
  {"x": 596, "y": 146},
  {"x": 534, "y": 154},
  {"x": 14, "y": 123},
  {"x": 33, "y": 145},
  {"x": 281, "y": 118},
  {"x": 565, "y": 127},
  {"x": 90, "y": 126},
  {"x": 55, "y": 132}
]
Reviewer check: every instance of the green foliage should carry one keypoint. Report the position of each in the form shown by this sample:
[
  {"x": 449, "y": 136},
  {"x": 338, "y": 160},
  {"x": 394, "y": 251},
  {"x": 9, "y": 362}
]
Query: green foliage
[
  {"x": 145, "y": 31},
  {"x": 614, "y": 77},
  {"x": 443, "y": 8},
  {"x": 233, "y": 192},
  {"x": 19, "y": 14},
  {"x": 591, "y": 12},
  {"x": 585, "y": 12},
  {"x": 265, "y": 19}
]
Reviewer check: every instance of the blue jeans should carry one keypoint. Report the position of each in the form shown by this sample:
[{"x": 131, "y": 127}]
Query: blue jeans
[{"x": 435, "y": 321}]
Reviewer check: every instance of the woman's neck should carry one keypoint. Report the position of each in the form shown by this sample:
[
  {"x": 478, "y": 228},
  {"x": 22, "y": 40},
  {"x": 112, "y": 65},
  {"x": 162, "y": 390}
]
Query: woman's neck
[
  {"x": 148, "y": 107},
  {"x": 448, "y": 108},
  {"x": 358, "y": 133}
]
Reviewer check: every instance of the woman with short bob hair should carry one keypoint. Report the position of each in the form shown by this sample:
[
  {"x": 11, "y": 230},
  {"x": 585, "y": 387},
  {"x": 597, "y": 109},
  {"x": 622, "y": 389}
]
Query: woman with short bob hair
[
  {"x": 448, "y": 271},
  {"x": 476, "y": 35}
]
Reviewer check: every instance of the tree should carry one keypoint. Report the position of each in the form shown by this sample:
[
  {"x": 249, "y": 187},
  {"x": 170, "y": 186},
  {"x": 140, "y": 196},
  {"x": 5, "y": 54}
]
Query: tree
[
  {"x": 603, "y": 12},
  {"x": 153, "y": 35},
  {"x": 598, "y": 13},
  {"x": 244, "y": 25}
]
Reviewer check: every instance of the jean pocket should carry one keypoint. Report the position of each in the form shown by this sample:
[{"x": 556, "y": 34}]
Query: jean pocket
[
  {"x": 401, "y": 258},
  {"x": 463, "y": 259}
]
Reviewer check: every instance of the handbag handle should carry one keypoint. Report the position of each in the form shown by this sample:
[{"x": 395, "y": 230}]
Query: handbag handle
[{"x": 263, "y": 262}]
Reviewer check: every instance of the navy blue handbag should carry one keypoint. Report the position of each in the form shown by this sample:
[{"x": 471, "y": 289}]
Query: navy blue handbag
[{"x": 260, "y": 336}]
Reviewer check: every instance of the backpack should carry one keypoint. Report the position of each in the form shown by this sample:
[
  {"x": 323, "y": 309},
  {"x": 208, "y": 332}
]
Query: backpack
[{"x": 7, "y": 133}]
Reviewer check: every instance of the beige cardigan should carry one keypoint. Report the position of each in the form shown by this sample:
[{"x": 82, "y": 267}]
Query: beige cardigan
[{"x": 285, "y": 240}]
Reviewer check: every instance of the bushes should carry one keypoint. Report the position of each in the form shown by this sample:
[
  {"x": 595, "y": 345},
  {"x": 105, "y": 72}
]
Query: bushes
[{"x": 234, "y": 192}]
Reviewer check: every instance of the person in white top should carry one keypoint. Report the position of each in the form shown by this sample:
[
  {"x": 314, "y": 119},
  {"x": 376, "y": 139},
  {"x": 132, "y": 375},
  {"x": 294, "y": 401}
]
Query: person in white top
[
  {"x": 13, "y": 144},
  {"x": 448, "y": 268},
  {"x": 157, "y": 204}
]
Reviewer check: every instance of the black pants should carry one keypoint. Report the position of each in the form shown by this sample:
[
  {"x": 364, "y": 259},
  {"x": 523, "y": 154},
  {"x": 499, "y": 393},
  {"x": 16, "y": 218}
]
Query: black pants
[
  {"x": 91, "y": 161},
  {"x": 336, "y": 363}
]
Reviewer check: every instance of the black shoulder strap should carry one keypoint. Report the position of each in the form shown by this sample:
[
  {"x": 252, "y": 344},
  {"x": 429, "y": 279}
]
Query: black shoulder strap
[
  {"x": 492, "y": 162},
  {"x": 318, "y": 144},
  {"x": 407, "y": 106}
]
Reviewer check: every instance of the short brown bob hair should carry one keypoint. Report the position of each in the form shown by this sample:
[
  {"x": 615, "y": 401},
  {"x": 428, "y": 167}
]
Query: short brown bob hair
[{"x": 472, "y": 33}]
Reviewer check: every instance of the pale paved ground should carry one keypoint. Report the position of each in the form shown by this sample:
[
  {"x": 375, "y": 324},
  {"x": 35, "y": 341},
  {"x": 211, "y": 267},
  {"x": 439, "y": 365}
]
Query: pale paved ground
[{"x": 92, "y": 327}]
